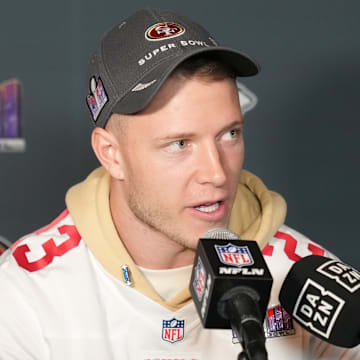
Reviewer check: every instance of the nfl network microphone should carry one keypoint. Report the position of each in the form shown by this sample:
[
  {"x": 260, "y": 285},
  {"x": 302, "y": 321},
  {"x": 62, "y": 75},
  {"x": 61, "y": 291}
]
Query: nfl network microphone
[
  {"x": 323, "y": 295},
  {"x": 230, "y": 285}
]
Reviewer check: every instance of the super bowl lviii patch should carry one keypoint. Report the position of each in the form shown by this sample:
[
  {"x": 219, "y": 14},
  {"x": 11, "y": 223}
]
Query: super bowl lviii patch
[
  {"x": 97, "y": 98},
  {"x": 278, "y": 322},
  {"x": 173, "y": 330}
]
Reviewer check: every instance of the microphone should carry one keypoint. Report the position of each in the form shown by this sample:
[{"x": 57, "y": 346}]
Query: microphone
[
  {"x": 230, "y": 286},
  {"x": 323, "y": 295}
]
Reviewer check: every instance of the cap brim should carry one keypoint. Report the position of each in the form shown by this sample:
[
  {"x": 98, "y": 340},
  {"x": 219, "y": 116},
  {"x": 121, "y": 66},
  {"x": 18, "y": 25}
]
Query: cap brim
[{"x": 147, "y": 87}]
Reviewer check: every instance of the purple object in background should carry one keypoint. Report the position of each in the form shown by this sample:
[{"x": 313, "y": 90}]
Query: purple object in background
[
  {"x": 1, "y": 112},
  {"x": 11, "y": 109}
]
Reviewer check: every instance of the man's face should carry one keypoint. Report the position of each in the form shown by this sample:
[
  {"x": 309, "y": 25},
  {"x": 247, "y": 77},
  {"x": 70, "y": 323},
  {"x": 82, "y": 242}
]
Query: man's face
[{"x": 182, "y": 159}]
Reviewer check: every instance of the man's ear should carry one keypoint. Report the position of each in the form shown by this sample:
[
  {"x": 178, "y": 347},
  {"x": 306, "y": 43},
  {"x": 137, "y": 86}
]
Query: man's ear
[{"x": 107, "y": 150}]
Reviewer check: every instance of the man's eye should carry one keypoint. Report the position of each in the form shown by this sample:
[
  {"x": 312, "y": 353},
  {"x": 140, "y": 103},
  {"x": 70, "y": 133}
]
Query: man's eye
[
  {"x": 177, "y": 145},
  {"x": 232, "y": 134}
]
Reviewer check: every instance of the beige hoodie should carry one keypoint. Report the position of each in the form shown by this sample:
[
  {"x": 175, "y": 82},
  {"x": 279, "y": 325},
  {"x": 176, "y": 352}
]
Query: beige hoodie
[{"x": 257, "y": 214}]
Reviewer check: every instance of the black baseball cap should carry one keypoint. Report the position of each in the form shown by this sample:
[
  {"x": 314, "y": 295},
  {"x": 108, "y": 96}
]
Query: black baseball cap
[{"x": 136, "y": 56}]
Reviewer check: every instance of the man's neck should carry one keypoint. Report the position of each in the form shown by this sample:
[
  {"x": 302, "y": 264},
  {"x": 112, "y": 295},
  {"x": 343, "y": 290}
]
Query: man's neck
[{"x": 147, "y": 247}]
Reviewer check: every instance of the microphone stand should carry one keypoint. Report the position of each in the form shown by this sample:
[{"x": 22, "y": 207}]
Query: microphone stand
[{"x": 242, "y": 311}]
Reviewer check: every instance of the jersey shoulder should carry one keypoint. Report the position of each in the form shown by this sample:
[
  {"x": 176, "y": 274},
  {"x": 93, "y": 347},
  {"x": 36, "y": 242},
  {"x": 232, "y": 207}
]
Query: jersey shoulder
[
  {"x": 288, "y": 246},
  {"x": 44, "y": 248},
  {"x": 285, "y": 248},
  {"x": 291, "y": 245}
]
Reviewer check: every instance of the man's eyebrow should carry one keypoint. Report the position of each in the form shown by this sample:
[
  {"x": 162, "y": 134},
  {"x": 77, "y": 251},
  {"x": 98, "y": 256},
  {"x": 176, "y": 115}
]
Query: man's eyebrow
[
  {"x": 188, "y": 135},
  {"x": 179, "y": 135}
]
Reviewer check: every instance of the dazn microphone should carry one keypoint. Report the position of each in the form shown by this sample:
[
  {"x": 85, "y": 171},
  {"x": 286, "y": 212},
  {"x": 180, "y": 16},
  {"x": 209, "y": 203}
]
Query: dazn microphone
[
  {"x": 323, "y": 295},
  {"x": 230, "y": 285}
]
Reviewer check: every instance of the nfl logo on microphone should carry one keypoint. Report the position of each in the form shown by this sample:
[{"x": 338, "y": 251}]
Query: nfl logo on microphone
[
  {"x": 199, "y": 279},
  {"x": 173, "y": 330},
  {"x": 234, "y": 255}
]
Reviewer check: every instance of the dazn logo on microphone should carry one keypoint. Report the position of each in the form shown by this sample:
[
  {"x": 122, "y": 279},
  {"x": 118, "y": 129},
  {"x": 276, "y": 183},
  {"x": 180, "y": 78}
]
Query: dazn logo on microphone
[{"x": 317, "y": 308}]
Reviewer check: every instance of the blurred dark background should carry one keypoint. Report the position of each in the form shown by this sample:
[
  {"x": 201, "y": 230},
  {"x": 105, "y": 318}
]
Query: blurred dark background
[{"x": 301, "y": 138}]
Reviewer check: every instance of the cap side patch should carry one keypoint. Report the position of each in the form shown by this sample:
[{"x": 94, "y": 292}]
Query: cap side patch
[{"x": 97, "y": 98}]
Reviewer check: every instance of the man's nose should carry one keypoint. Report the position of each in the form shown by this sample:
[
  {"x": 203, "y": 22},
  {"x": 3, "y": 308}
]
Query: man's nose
[{"x": 210, "y": 166}]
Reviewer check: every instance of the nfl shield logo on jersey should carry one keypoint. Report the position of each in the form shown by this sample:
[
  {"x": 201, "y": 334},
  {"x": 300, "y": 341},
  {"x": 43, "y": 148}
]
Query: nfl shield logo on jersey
[
  {"x": 173, "y": 330},
  {"x": 234, "y": 255}
]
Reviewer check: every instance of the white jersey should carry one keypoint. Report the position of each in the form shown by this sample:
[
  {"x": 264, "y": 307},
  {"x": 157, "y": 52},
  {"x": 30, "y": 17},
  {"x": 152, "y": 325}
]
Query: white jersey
[{"x": 58, "y": 302}]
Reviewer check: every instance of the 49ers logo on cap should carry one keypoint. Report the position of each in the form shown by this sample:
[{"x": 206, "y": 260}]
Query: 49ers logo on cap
[{"x": 162, "y": 31}]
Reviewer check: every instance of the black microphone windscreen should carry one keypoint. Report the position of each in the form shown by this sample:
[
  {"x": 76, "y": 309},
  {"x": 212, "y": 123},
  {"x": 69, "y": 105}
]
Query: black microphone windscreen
[{"x": 323, "y": 295}]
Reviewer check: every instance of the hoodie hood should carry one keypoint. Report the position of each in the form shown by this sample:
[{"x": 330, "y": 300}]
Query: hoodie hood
[{"x": 257, "y": 214}]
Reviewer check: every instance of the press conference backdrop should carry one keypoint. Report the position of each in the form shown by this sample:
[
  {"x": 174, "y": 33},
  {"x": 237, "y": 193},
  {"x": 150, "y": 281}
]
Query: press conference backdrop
[{"x": 301, "y": 138}]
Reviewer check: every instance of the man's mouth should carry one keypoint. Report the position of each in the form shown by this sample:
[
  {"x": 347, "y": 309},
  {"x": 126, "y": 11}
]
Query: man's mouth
[{"x": 209, "y": 207}]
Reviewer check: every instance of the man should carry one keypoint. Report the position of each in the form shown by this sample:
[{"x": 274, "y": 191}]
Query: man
[{"x": 109, "y": 277}]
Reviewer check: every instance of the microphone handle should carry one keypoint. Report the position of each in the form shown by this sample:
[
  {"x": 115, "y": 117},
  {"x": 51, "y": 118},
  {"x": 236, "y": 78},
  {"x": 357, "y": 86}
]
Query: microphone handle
[{"x": 248, "y": 329}]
